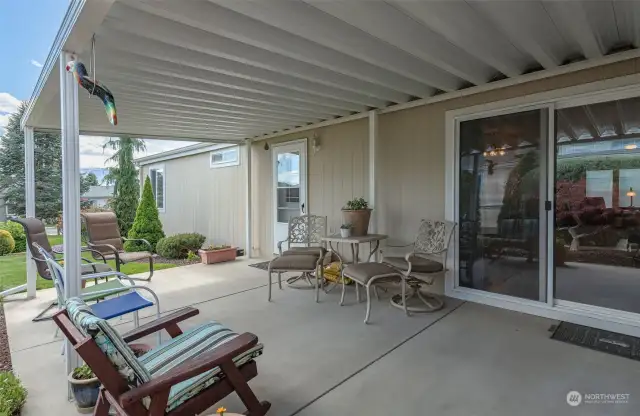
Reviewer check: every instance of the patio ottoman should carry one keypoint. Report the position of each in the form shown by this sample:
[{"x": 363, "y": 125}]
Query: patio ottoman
[
  {"x": 367, "y": 275},
  {"x": 304, "y": 263}
]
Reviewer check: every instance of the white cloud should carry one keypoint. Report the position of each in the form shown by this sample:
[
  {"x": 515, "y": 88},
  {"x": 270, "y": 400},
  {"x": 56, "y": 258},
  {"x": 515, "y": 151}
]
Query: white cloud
[
  {"x": 36, "y": 63},
  {"x": 92, "y": 155},
  {"x": 8, "y": 103}
]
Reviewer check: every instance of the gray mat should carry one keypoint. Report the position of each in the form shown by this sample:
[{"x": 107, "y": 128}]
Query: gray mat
[{"x": 598, "y": 339}]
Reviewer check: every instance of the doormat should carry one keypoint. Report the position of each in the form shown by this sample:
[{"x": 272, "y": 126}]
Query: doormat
[
  {"x": 263, "y": 265},
  {"x": 598, "y": 339}
]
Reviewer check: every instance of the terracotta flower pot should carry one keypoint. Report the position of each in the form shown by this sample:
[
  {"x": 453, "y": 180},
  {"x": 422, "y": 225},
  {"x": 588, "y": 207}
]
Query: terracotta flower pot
[
  {"x": 217, "y": 256},
  {"x": 359, "y": 220}
]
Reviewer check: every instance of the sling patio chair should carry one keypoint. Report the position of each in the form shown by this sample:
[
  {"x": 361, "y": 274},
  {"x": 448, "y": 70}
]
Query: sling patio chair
[
  {"x": 103, "y": 235},
  {"x": 128, "y": 299},
  {"x": 174, "y": 378},
  {"x": 35, "y": 232}
]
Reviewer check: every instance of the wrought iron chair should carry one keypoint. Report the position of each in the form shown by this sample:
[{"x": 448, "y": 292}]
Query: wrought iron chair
[
  {"x": 422, "y": 265},
  {"x": 304, "y": 237}
]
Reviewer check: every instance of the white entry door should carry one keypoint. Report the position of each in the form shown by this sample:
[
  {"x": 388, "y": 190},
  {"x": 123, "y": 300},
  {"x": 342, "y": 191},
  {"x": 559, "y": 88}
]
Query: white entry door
[{"x": 289, "y": 186}]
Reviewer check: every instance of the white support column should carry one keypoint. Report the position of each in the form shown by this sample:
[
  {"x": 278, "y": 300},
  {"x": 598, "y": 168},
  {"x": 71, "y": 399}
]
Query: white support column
[
  {"x": 30, "y": 202},
  {"x": 70, "y": 187},
  {"x": 248, "y": 218},
  {"x": 373, "y": 177}
]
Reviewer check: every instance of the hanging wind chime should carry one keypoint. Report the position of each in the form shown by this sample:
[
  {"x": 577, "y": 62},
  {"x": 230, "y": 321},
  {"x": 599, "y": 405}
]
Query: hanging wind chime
[{"x": 92, "y": 85}]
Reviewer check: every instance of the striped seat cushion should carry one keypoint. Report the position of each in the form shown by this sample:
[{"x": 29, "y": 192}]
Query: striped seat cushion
[
  {"x": 190, "y": 345},
  {"x": 108, "y": 340}
]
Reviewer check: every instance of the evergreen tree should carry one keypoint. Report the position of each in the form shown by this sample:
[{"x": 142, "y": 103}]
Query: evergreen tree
[
  {"x": 48, "y": 169},
  {"x": 147, "y": 224},
  {"x": 125, "y": 178}
]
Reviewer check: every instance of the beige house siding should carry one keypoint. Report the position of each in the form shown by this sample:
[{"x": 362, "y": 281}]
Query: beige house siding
[
  {"x": 336, "y": 173},
  {"x": 411, "y": 170},
  {"x": 201, "y": 199}
]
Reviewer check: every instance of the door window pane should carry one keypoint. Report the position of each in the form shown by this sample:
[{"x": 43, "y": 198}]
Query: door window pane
[{"x": 499, "y": 199}]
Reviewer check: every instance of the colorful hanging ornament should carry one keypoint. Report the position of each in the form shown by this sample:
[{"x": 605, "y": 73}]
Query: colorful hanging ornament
[{"x": 94, "y": 87}]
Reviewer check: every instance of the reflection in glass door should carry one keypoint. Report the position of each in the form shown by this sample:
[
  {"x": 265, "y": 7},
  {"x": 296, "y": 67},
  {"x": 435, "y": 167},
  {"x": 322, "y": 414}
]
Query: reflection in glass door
[
  {"x": 501, "y": 202},
  {"x": 289, "y": 186},
  {"x": 597, "y": 214}
]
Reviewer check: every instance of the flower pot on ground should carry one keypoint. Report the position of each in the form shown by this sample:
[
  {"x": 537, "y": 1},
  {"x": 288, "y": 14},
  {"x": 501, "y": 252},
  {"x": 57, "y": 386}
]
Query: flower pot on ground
[
  {"x": 217, "y": 254},
  {"x": 357, "y": 213},
  {"x": 85, "y": 387},
  {"x": 345, "y": 230}
]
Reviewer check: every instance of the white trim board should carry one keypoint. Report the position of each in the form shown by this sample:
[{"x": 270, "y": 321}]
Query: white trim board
[{"x": 182, "y": 152}]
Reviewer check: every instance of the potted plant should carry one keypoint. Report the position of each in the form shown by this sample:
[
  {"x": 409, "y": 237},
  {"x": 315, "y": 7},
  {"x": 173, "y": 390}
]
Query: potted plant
[
  {"x": 357, "y": 213},
  {"x": 345, "y": 230},
  {"x": 85, "y": 387},
  {"x": 217, "y": 254}
]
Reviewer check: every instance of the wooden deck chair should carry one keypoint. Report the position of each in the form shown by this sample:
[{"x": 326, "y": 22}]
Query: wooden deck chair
[
  {"x": 103, "y": 235},
  {"x": 172, "y": 379}
]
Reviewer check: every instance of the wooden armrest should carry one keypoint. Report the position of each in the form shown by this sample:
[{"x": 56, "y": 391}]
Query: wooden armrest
[
  {"x": 191, "y": 368},
  {"x": 166, "y": 322}
]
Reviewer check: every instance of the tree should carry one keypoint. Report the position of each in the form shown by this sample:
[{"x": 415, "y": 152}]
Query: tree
[
  {"x": 48, "y": 169},
  {"x": 147, "y": 224},
  {"x": 125, "y": 178}
]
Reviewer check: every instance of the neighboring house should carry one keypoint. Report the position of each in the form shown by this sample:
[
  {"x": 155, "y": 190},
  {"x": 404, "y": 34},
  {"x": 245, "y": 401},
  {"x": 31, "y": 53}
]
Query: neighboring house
[
  {"x": 98, "y": 196},
  {"x": 199, "y": 188}
]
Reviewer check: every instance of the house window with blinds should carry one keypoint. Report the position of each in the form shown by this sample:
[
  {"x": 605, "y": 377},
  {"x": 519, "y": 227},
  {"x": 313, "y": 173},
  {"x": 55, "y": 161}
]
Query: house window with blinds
[
  {"x": 228, "y": 156},
  {"x": 157, "y": 176}
]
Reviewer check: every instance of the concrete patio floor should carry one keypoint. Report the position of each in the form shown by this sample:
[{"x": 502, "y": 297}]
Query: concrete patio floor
[{"x": 321, "y": 359}]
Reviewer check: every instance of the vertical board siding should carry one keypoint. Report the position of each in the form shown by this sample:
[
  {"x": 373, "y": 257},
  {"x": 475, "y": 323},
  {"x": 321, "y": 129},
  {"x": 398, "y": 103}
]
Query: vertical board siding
[{"x": 204, "y": 200}]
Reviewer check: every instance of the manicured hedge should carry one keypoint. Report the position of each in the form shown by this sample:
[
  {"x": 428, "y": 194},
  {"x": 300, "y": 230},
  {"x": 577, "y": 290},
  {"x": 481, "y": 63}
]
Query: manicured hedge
[
  {"x": 7, "y": 245},
  {"x": 147, "y": 223},
  {"x": 178, "y": 246},
  {"x": 17, "y": 232}
]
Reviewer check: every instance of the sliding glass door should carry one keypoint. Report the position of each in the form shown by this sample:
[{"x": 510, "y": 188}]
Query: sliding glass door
[
  {"x": 597, "y": 215},
  {"x": 502, "y": 208}
]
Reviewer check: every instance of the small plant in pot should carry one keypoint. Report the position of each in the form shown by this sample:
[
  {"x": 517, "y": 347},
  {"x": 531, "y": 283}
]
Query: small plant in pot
[
  {"x": 345, "y": 230},
  {"x": 217, "y": 254},
  {"x": 85, "y": 387},
  {"x": 357, "y": 213}
]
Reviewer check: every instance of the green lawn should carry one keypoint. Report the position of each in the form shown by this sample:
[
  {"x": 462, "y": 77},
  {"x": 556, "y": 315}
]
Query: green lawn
[{"x": 13, "y": 268}]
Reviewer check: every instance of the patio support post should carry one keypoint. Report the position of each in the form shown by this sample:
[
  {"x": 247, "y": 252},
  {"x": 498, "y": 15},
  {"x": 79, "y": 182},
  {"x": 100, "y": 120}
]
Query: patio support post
[
  {"x": 248, "y": 222},
  {"x": 30, "y": 202},
  {"x": 373, "y": 178},
  {"x": 70, "y": 188}
]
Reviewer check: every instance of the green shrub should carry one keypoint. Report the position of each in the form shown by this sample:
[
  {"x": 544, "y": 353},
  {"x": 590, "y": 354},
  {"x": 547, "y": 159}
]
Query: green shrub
[
  {"x": 178, "y": 246},
  {"x": 83, "y": 372},
  {"x": 147, "y": 224},
  {"x": 17, "y": 232},
  {"x": 7, "y": 245},
  {"x": 12, "y": 394}
]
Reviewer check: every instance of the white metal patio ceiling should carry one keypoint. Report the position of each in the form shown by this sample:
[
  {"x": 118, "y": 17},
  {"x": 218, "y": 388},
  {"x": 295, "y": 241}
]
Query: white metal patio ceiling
[{"x": 234, "y": 69}]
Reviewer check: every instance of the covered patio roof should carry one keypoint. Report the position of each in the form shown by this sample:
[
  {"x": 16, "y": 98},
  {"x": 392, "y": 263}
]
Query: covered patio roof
[{"x": 227, "y": 70}]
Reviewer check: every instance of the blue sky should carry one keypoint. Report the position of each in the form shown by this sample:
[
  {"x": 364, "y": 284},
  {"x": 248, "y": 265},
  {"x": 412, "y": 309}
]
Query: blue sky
[{"x": 28, "y": 28}]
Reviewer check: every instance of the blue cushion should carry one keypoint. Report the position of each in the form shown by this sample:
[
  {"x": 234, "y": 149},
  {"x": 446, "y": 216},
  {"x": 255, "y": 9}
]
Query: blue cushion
[
  {"x": 109, "y": 341},
  {"x": 120, "y": 305},
  {"x": 189, "y": 345}
]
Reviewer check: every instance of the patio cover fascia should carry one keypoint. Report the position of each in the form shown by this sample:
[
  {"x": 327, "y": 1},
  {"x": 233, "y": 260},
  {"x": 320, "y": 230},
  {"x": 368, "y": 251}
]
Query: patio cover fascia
[{"x": 139, "y": 44}]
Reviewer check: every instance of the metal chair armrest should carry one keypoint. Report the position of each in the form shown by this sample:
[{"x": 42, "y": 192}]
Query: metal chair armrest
[
  {"x": 94, "y": 252},
  {"x": 280, "y": 245},
  {"x": 108, "y": 247},
  {"x": 139, "y": 239}
]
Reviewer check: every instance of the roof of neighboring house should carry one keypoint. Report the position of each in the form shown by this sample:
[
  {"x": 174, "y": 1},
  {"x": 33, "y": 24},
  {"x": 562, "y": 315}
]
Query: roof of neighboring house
[
  {"x": 98, "y": 192},
  {"x": 181, "y": 152}
]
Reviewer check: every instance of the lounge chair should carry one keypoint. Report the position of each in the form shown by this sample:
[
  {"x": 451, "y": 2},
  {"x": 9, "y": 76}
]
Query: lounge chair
[
  {"x": 172, "y": 379},
  {"x": 128, "y": 300},
  {"x": 35, "y": 232},
  {"x": 103, "y": 235}
]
